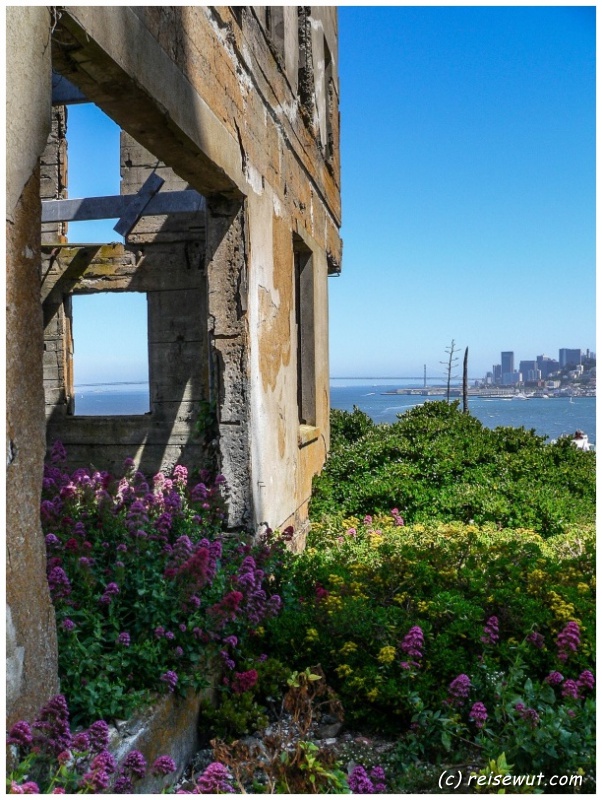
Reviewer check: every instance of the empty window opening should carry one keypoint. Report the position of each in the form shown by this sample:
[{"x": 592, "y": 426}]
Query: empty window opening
[
  {"x": 306, "y": 348},
  {"x": 93, "y": 168},
  {"x": 110, "y": 354}
]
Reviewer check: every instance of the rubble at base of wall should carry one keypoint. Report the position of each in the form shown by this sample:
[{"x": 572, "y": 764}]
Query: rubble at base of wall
[{"x": 169, "y": 727}]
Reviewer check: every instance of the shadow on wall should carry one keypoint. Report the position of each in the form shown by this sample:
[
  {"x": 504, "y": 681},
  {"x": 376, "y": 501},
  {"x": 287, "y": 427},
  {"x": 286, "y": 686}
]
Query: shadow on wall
[{"x": 197, "y": 339}]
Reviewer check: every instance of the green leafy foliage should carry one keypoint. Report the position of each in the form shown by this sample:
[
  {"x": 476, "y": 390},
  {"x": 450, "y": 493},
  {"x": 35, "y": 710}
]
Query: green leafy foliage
[{"x": 438, "y": 463}]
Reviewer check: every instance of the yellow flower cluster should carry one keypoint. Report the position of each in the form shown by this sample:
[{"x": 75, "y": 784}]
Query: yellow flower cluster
[
  {"x": 336, "y": 580},
  {"x": 333, "y": 603},
  {"x": 343, "y": 670},
  {"x": 401, "y": 598},
  {"x": 372, "y": 694},
  {"x": 311, "y": 635},
  {"x": 423, "y": 606},
  {"x": 347, "y": 648},
  {"x": 386, "y": 655},
  {"x": 535, "y": 580},
  {"x": 562, "y": 611}
]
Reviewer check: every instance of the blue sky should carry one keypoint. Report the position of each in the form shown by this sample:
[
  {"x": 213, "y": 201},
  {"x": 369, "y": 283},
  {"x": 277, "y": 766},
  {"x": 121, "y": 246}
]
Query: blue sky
[{"x": 468, "y": 178}]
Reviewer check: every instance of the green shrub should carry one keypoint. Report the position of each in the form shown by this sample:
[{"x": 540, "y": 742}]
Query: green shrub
[
  {"x": 359, "y": 587},
  {"x": 438, "y": 463}
]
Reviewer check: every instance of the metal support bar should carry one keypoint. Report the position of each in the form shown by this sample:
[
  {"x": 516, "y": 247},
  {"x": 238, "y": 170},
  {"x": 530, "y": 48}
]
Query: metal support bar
[
  {"x": 141, "y": 199},
  {"x": 86, "y": 208}
]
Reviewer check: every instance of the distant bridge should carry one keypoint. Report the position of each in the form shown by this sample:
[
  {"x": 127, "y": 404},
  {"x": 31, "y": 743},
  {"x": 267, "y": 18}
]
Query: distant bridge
[{"x": 395, "y": 378}]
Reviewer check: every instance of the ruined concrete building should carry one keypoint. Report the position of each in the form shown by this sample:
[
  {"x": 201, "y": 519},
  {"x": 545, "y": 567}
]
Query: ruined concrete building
[{"x": 230, "y": 210}]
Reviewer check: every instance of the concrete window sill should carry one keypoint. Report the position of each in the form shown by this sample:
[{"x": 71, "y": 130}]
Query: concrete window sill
[{"x": 307, "y": 434}]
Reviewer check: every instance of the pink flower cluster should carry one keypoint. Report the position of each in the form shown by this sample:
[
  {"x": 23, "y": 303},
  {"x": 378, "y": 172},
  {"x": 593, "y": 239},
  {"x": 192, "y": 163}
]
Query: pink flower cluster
[
  {"x": 243, "y": 681},
  {"x": 214, "y": 780},
  {"x": 478, "y": 714},
  {"x": 360, "y": 782},
  {"x": 568, "y": 640},
  {"x": 570, "y": 688},
  {"x": 412, "y": 645},
  {"x": 491, "y": 633},
  {"x": 85, "y": 752}
]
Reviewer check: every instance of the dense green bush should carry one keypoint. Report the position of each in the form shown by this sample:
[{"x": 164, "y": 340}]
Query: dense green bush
[
  {"x": 359, "y": 587},
  {"x": 438, "y": 463},
  {"x": 394, "y": 614}
]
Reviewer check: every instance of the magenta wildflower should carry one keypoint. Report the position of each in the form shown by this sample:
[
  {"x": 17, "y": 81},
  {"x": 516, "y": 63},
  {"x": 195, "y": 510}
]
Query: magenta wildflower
[
  {"x": 29, "y": 787},
  {"x": 135, "y": 764},
  {"x": 104, "y": 761},
  {"x": 81, "y": 741},
  {"x": 568, "y": 640},
  {"x": 413, "y": 642},
  {"x": 530, "y": 715},
  {"x": 59, "y": 583},
  {"x": 180, "y": 474},
  {"x": 491, "y": 633},
  {"x": 243, "y": 681},
  {"x": 20, "y": 734},
  {"x": 98, "y": 734},
  {"x": 52, "y": 540},
  {"x": 570, "y": 689},
  {"x": 65, "y": 757},
  {"x": 460, "y": 687},
  {"x": 124, "y": 639},
  {"x": 554, "y": 678},
  {"x": 171, "y": 679},
  {"x": 164, "y": 765},
  {"x": 478, "y": 714},
  {"x": 214, "y": 780},
  {"x": 123, "y": 785},
  {"x": 536, "y": 639},
  {"x": 586, "y": 680},
  {"x": 95, "y": 781},
  {"x": 359, "y": 782},
  {"x": 53, "y": 723}
]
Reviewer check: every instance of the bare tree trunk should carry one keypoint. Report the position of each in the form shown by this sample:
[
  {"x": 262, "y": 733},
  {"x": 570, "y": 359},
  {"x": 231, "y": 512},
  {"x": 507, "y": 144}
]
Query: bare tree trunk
[{"x": 465, "y": 383}]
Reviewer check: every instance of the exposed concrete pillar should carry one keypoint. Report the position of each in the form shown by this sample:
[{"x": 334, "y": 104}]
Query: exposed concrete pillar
[
  {"x": 31, "y": 633},
  {"x": 229, "y": 360}
]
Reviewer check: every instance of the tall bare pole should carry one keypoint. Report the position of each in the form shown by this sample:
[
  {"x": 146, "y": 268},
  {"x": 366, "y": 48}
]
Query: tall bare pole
[
  {"x": 450, "y": 364},
  {"x": 465, "y": 383}
]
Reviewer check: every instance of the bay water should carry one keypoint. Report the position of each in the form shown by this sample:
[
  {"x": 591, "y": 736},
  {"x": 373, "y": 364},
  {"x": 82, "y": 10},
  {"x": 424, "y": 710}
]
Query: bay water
[{"x": 552, "y": 417}]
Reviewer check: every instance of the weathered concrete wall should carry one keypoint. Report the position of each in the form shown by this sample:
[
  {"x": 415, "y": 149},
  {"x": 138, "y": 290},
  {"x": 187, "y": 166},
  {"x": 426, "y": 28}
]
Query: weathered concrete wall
[
  {"x": 30, "y": 627},
  {"x": 241, "y": 103}
]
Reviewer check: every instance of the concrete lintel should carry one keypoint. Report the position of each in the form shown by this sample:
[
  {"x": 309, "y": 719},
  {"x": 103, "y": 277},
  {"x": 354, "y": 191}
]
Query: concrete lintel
[{"x": 119, "y": 65}]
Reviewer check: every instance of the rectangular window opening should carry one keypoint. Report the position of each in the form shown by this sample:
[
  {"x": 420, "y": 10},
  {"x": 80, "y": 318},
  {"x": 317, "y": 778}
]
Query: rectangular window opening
[
  {"x": 93, "y": 168},
  {"x": 304, "y": 317},
  {"x": 110, "y": 354}
]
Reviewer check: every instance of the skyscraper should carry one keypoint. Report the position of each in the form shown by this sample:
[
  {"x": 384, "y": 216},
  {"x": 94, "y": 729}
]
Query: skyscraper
[
  {"x": 507, "y": 362},
  {"x": 569, "y": 358}
]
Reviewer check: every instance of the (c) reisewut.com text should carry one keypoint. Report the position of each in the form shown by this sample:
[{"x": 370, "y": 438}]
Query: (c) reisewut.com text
[{"x": 454, "y": 779}]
